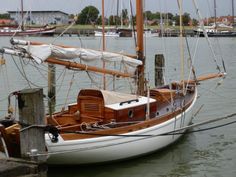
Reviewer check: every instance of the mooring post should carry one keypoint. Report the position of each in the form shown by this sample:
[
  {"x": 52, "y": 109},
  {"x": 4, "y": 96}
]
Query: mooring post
[
  {"x": 159, "y": 69},
  {"x": 31, "y": 117},
  {"x": 51, "y": 88}
]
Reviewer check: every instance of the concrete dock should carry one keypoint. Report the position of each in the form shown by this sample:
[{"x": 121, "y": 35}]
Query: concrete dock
[{"x": 18, "y": 167}]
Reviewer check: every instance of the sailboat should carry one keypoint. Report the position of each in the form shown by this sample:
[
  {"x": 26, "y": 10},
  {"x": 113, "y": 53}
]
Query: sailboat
[
  {"x": 216, "y": 29},
  {"x": 103, "y": 125},
  {"x": 21, "y": 30}
]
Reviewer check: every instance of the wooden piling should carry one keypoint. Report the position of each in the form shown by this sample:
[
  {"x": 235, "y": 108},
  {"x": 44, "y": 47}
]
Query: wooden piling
[
  {"x": 31, "y": 117},
  {"x": 51, "y": 88},
  {"x": 159, "y": 69}
]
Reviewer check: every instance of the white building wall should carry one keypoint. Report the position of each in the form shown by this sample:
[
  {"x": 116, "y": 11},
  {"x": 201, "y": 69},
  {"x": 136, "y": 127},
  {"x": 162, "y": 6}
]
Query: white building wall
[{"x": 41, "y": 17}]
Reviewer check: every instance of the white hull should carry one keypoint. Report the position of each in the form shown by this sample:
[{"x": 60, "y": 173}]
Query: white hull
[
  {"x": 106, "y": 34},
  {"x": 111, "y": 148}
]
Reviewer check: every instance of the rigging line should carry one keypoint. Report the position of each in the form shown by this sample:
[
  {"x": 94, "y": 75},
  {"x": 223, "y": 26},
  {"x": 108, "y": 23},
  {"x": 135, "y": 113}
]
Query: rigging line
[
  {"x": 36, "y": 66},
  {"x": 19, "y": 26},
  {"x": 25, "y": 73},
  {"x": 92, "y": 80},
  {"x": 163, "y": 43},
  {"x": 205, "y": 34},
  {"x": 67, "y": 28},
  {"x": 68, "y": 92},
  {"x": 133, "y": 27},
  {"x": 173, "y": 132},
  {"x": 60, "y": 85},
  {"x": 211, "y": 90},
  {"x": 141, "y": 137},
  {"x": 38, "y": 69},
  {"x": 220, "y": 52},
  {"x": 132, "y": 89},
  {"x": 190, "y": 57},
  {"x": 22, "y": 74},
  {"x": 209, "y": 9}
]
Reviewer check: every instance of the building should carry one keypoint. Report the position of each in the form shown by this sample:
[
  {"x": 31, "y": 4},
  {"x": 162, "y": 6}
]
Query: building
[
  {"x": 226, "y": 20},
  {"x": 40, "y": 17},
  {"x": 6, "y": 22}
]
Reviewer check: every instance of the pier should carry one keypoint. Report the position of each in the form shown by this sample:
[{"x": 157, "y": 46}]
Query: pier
[
  {"x": 90, "y": 32},
  {"x": 19, "y": 167},
  {"x": 24, "y": 160}
]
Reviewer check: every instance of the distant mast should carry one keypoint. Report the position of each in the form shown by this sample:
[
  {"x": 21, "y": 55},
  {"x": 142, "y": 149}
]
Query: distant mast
[
  {"x": 215, "y": 12},
  {"x": 233, "y": 13},
  {"x": 117, "y": 14},
  {"x": 22, "y": 15}
]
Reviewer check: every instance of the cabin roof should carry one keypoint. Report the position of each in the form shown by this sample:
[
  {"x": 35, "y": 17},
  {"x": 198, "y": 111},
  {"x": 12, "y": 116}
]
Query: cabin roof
[
  {"x": 131, "y": 103},
  {"x": 117, "y": 100}
]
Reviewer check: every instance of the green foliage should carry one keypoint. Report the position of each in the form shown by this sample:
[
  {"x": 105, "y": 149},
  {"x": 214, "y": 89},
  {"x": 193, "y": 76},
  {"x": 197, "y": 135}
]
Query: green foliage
[
  {"x": 89, "y": 15},
  {"x": 5, "y": 16},
  {"x": 125, "y": 14},
  {"x": 186, "y": 19},
  {"x": 195, "y": 22},
  {"x": 114, "y": 20}
]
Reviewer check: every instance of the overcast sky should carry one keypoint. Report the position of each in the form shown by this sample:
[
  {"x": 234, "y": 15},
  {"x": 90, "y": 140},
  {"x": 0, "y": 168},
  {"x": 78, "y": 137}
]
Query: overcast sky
[{"x": 224, "y": 7}]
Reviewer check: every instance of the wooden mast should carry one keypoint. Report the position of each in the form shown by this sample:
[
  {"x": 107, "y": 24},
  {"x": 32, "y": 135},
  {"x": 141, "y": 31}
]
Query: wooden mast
[{"x": 140, "y": 48}]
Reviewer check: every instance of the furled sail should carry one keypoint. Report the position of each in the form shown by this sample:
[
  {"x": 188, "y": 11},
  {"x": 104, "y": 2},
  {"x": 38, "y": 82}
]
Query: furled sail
[{"x": 42, "y": 52}]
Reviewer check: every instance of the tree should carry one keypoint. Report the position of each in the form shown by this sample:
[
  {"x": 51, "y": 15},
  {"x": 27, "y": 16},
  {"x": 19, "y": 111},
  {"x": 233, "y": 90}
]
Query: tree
[
  {"x": 89, "y": 15},
  {"x": 5, "y": 16},
  {"x": 124, "y": 13},
  {"x": 176, "y": 19},
  {"x": 148, "y": 15},
  {"x": 114, "y": 20},
  {"x": 195, "y": 22},
  {"x": 186, "y": 19}
]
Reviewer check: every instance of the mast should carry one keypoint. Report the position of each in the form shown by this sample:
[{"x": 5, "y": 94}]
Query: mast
[
  {"x": 140, "y": 48},
  {"x": 233, "y": 13},
  {"x": 181, "y": 41},
  {"x": 121, "y": 17},
  {"x": 215, "y": 12},
  {"x": 22, "y": 15},
  {"x": 103, "y": 43},
  {"x": 117, "y": 13}
]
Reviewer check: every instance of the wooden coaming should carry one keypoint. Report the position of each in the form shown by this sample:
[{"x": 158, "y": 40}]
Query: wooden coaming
[{"x": 134, "y": 127}]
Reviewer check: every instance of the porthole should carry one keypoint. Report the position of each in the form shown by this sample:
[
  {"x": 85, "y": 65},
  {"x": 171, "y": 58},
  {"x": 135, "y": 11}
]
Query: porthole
[{"x": 131, "y": 113}]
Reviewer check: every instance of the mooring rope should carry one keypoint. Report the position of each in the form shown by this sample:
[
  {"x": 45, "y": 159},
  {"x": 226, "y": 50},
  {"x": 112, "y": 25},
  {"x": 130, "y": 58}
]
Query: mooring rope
[
  {"x": 141, "y": 137},
  {"x": 174, "y": 132}
]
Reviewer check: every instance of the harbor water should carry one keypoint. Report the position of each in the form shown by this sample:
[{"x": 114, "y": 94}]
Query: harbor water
[{"x": 210, "y": 153}]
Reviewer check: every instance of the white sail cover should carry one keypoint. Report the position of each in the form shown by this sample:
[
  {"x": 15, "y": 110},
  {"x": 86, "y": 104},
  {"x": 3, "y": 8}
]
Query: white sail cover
[
  {"x": 111, "y": 97},
  {"x": 87, "y": 56}
]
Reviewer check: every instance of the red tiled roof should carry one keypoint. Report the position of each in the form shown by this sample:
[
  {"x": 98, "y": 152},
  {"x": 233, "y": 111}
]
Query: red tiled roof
[{"x": 5, "y": 21}]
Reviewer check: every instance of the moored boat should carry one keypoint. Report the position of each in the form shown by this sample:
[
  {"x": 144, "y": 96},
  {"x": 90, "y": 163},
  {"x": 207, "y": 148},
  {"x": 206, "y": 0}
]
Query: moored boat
[{"x": 103, "y": 125}]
